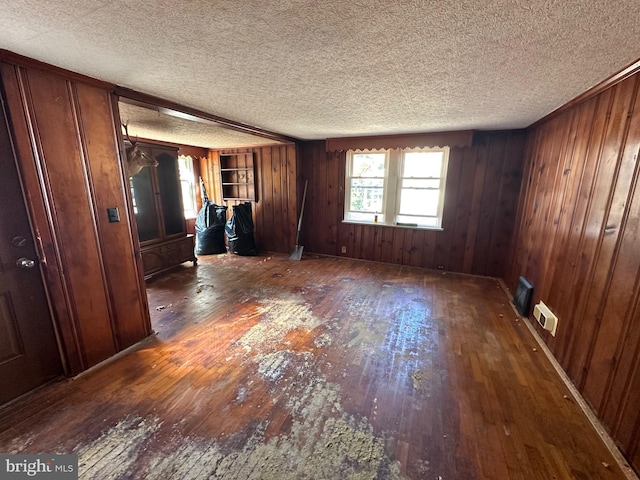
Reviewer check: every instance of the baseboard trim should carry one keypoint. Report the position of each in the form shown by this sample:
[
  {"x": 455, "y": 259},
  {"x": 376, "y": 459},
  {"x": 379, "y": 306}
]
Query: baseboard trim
[
  {"x": 132, "y": 348},
  {"x": 575, "y": 393}
]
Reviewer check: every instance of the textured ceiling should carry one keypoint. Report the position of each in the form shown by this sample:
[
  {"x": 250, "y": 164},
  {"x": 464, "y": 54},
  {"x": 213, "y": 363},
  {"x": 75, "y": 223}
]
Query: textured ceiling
[
  {"x": 157, "y": 124},
  {"x": 316, "y": 69}
]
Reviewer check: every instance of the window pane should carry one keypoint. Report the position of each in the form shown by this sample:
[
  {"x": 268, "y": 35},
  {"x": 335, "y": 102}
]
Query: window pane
[
  {"x": 422, "y": 164},
  {"x": 185, "y": 169},
  {"x": 189, "y": 199},
  {"x": 364, "y": 217},
  {"x": 419, "y": 221},
  {"x": 419, "y": 202},
  {"x": 366, "y": 195},
  {"x": 368, "y": 165},
  {"x": 420, "y": 183}
]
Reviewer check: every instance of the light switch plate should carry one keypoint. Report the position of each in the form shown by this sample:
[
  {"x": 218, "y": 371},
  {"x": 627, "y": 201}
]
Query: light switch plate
[{"x": 114, "y": 215}]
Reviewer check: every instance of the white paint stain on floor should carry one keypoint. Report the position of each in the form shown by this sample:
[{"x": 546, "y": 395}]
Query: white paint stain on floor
[
  {"x": 324, "y": 442},
  {"x": 278, "y": 317}
]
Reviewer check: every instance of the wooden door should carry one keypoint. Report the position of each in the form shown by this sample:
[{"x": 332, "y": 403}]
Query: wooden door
[{"x": 29, "y": 355}]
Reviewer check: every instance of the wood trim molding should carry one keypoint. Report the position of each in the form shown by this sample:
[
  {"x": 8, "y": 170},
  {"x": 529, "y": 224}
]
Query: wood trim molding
[
  {"x": 195, "y": 152},
  {"x": 134, "y": 244},
  {"x": 142, "y": 99},
  {"x": 614, "y": 79},
  {"x": 461, "y": 138},
  {"x": 22, "y": 61},
  {"x": 183, "y": 149}
]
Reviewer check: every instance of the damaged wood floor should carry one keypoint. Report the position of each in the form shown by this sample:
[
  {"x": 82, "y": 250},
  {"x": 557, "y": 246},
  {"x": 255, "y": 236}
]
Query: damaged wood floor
[{"x": 326, "y": 368}]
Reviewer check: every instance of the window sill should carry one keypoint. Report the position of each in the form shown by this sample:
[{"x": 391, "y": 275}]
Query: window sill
[{"x": 380, "y": 224}]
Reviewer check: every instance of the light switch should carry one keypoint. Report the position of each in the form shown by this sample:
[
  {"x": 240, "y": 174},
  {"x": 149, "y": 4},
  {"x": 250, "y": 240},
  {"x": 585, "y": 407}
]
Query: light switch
[{"x": 114, "y": 215}]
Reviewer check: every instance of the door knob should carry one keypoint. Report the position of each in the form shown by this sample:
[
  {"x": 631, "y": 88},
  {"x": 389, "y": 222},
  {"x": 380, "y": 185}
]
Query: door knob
[{"x": 24, "y": 262}]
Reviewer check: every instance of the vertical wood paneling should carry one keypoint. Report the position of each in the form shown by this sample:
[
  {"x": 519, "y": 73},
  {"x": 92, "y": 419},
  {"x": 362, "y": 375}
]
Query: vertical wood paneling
[
  {"x": 276, "y": 192},
  {"x": 576, "y": 240},
  {"x": 602, "y": 240},
  {"x": 335, "y": 207},
  {"x": 320, "y": 197},
  {"x": 576, "y": 172},
  {"x": 634, "y": 442},
  {"x": 440, "y": 256},
  {"x": 578, "y": 246},
  {"x": 415, "y": 252},
  {"x": 210, "y": 173},
  {"x": 407, "y": 244},
  {"x": 68, "y": 150},
  {"x": 429, "y": 249},
  {"x": 553, "y": 200},
  {"x": 65, "y": 164},
  {"x": 367, "y": 243},
  {"x": 522, "y": 221},
  {"x": 474, "y": 212},
  {"x": 276, "y": 209},
  {"x": 27, "y": 156},
  {"x": 398, "y": 245},
  {"x": 488, "y": 204},
  {"x": 621, "y": 226},
  {"x": 264, "y": 206},
  {"x": 386, "y": 254},
  {"x": 622, "y": 342},
  {"x": 338, "y": 162},
  {"x": 284, "y": 188},
  {"x": 463, "y": 204},
  {"x": 481, "y": 199},
  {"x": 117, "y": 245},
  {"x": 506, "y": 208}
]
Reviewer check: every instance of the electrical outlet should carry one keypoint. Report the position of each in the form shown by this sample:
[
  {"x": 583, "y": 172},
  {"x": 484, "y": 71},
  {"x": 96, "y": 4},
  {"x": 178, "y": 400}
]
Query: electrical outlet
[
  {"x": 344, "y": 249},
  {"x": 545, "y": 318}
]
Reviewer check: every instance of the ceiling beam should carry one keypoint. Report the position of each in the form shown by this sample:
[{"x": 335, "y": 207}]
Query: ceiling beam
[{"x": 171, "y": 108}]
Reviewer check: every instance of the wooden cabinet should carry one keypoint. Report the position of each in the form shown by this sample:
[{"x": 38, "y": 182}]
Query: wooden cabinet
[
  {"x": 162, "y": 256},
  {"x": 158, "y": 208},
  {"x": 237, "y": 177}
]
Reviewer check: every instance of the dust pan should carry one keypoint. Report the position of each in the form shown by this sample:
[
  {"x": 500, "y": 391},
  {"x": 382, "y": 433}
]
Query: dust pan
[{"x": 296, "y": 252}]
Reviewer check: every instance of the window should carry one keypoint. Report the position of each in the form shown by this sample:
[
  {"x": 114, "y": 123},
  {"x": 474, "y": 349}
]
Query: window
[
  {"x": 188, "y": 185},
  {"x": 133, "y": 196},
  {"x": 366, "y": 172},
  {"x": 396, "y": 187}
]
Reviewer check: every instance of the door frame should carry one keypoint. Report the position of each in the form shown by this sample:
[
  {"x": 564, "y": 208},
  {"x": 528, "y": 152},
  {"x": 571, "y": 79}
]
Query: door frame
[
  {"x": 5, "y": 118},
  {"x": 32, "y": 173}
]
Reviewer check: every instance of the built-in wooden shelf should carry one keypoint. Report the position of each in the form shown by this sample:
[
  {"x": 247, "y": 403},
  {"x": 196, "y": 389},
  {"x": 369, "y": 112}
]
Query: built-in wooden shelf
[{"x": 237, "y": 175}]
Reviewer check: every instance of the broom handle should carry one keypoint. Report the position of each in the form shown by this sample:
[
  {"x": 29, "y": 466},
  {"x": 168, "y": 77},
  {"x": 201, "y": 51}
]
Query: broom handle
[
  {"x": 304, "y": 196},
  {"x": 203, "y": 191}
]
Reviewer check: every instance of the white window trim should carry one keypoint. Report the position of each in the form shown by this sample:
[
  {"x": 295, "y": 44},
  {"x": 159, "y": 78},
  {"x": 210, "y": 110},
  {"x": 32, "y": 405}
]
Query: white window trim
[
  {"x": 347, "y": 211},
  {"x": 392, "y": 188},
  {"x": 190, "y": 178}
]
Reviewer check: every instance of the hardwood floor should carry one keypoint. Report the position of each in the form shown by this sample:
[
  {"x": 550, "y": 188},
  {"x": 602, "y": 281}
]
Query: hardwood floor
[{"x": 325, "y": 368}]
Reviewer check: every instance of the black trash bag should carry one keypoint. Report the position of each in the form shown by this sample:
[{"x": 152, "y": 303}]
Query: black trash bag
[
  {"x": 210, "y": 226},
  {"x": 239, "y": 230},
  {"x": 210, "y": 229}
]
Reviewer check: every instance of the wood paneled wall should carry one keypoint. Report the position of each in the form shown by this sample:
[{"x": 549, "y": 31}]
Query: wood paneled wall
[
  {"x": 275, "y": 211},
  {"x": 577, "y": 240},
  {"x": 481, "y": 199},
  {"x": 69, "y": 154}
]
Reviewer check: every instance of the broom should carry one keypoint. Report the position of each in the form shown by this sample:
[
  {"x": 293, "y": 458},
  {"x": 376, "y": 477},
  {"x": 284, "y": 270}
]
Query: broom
[{"x": 296, "y": 252}]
